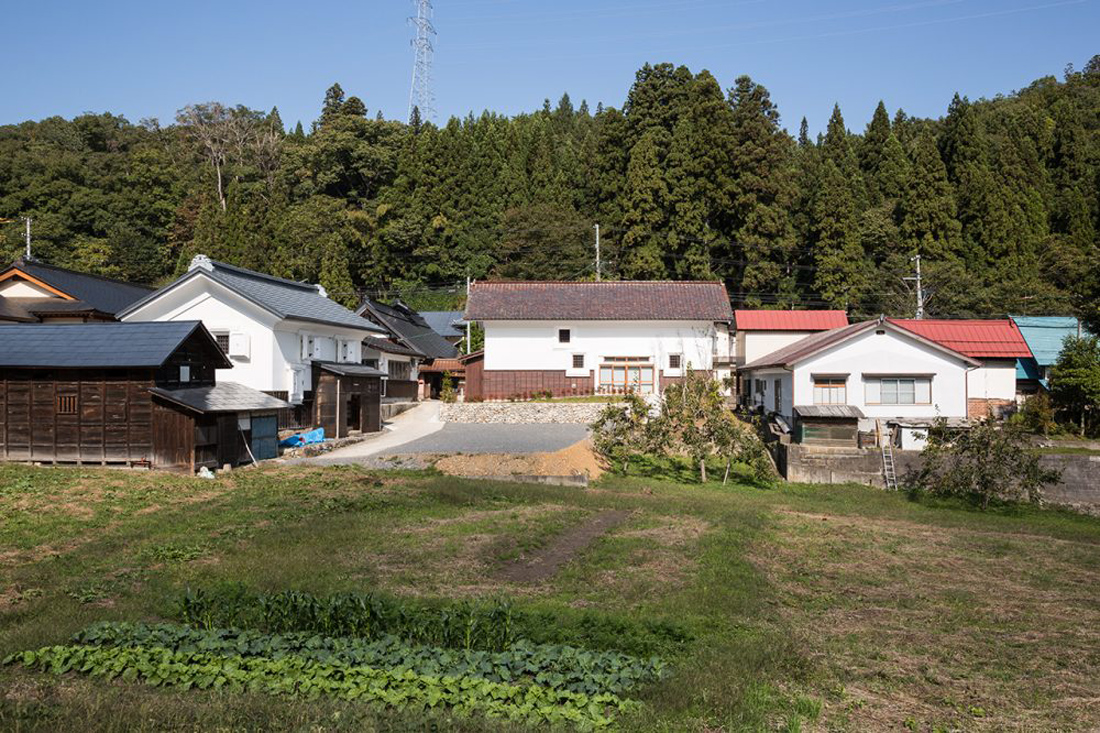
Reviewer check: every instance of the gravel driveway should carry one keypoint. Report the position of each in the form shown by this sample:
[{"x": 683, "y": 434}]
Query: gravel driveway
[{"x": 490, "y": 438}]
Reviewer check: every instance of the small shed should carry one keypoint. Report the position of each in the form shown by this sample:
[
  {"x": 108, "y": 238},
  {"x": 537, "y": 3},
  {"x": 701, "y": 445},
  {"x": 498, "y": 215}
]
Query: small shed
[
  {"x": 134, "y": 394},
  {"x": 828, "y": 425},
  {"x": 347, "y": 398}
]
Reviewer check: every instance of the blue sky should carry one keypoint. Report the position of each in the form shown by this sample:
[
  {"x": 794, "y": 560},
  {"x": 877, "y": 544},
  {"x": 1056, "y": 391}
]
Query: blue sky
[{"x": 147, "y": 59}]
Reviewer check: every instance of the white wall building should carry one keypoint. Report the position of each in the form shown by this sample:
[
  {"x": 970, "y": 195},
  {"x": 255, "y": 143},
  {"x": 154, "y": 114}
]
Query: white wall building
[
  {"x": 608, "y": 337},
  {"x": 887, "y": 372},
  {"x": 272, "y": 329},
  {"x": 758, "y": 333}
]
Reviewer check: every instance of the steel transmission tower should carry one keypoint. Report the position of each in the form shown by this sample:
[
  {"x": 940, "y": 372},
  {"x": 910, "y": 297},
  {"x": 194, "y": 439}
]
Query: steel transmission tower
[{"x": 420, "y": 93}]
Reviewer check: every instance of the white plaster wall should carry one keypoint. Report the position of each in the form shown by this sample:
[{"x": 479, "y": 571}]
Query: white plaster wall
[
  {"x": 994, "y": 380},
  {"x": 786, "y": 404},
  {"x": 756, "y": 344},
  {"x": 884, "y": 354},
  {"x": 519, "y": 345},
  {"x": 16, "y": 287}
]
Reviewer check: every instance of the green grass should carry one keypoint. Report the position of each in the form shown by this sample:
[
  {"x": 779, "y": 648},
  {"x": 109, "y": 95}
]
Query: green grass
[
  {"x": 1069, "y": 450},
  {"x": 812, "y": 607}
]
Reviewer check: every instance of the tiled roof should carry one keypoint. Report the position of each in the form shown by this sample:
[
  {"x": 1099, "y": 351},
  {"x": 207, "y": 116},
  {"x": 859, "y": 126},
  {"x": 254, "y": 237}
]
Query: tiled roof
[
  {"x": 979, "y": 339},
  {"x": 409, "y": 327},
  {"x": 221, "y": 397},
  {"x": 448, "y": 324},
  {"x": 31, "y": 310},
  {"x": 602, "y": 301},
  {"x": 349, "y": 370},
  {"x": 786, "y": 320},
  {"x": 388, "y": 346},
  {"x": 93, "y": 345},
  {"x": 444, "y": 365},
  {"x": 102, "y": 293},
  {"x": 804, "y": 348},
  {"x": 284, "y": 298}
]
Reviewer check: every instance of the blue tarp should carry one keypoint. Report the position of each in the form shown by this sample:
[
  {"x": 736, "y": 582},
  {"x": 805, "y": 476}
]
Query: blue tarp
[{"x": 313, "y": 436}]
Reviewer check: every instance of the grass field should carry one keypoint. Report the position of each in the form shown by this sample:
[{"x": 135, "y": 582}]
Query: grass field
[{"x": 810, "y": 608}]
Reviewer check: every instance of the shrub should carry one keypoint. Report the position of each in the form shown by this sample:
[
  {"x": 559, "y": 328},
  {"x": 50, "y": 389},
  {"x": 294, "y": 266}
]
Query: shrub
[
  {"x": 447, "y": 391},
  {"x": 980, "y": 464},
  {"x": 1036, "y": 415}
]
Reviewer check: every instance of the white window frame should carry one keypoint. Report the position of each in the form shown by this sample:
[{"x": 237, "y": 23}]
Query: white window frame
[{"x": 831, "y": 390}]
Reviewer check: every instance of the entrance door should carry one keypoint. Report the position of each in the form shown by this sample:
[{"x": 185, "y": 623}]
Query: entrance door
[{"x": 355, "y": 412}]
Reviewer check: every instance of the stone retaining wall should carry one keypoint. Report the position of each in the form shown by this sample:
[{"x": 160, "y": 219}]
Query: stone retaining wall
[{"x": 582, "y": 413}]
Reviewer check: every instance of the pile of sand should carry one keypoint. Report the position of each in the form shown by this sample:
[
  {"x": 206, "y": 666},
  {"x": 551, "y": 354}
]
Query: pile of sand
[{"x": 577, "y": 460}]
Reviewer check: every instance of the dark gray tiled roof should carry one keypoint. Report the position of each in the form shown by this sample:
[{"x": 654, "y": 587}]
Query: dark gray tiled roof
[
  {"x": 389, "y": 347},
  {"x": 448, "y": 324},
  {"x": 102, "y": 293},
  {"x": 221, "y": 397},
  {"x": 350, "y": 370},
  {"x": 92, "y": 345},
  {"x": 284, "y": 298},
  {"x": 408, "y": 326},
  {"x": 623, "y": 300}
]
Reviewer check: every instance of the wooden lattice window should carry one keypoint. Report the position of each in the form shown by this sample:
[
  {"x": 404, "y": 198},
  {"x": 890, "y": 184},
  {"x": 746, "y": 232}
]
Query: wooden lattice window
[
  {"x": 674, "y": 361},
  {"x": 66, "y": 404},
  {"x": 578, "y": 361},
  {"x": 223, "y": 342}
]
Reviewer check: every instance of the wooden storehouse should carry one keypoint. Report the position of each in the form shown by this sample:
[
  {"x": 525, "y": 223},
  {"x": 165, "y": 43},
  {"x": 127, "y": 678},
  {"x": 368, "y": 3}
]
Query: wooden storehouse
[
  {"x": 827, "y": 425},
  {"x": 134, "y": 394},
  {"x": 347, "y": 398}
]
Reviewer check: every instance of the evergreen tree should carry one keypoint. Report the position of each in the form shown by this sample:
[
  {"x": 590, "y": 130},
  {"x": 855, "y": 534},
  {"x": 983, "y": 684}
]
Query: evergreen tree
[
  {"x": 928, "y": 223},
  {"x": 841, "y": 275},
  {"x": 644, "y": 218},
  {"x": 333, "y": 104}
]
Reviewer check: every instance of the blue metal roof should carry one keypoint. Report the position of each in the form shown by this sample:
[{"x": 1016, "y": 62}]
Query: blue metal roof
[{"x": 1044, "y": 336}]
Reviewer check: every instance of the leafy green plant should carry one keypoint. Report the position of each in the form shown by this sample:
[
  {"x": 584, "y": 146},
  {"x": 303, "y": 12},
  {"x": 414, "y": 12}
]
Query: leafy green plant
[
  {"x": 554, "y": 666},
  {"x": 295, "y": 675},
  {"x": 447, "y": 390}
]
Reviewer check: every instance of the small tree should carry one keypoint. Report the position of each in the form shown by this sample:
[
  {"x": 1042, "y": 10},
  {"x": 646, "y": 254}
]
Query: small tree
[
  {"x": 1036, "y": 415},
  {"x": 981, "y": 464},
  {"x": 1075, "y": 383},
  {"x": 447, "y": 390}
]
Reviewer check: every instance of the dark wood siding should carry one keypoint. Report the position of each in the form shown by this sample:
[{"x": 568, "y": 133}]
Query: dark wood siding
[
  {"x": 329, "y": 389},
  {"x": 173, "y": 437}
]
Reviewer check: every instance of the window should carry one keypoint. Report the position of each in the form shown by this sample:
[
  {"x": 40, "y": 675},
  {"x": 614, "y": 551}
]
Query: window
[
  {"x": 399, "y": 370},
  {"x": 223, "y": 342},
  {"x": 620, "y": 378},
  {"x": 185, "y": 373},
  {"x": 66, "y": 404},
  {"x": 830, "y": 390},
  {"x": 563, "y": 335},
  {"x": 578, "y": 361},
  {"x": 372, "y": 363},
  {"x": 899, "y": 391},
  {"x": 674, "y": 361}
]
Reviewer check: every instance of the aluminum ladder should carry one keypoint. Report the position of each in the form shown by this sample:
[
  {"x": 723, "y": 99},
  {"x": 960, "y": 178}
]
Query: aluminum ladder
[{"x": 889, "y": 470}]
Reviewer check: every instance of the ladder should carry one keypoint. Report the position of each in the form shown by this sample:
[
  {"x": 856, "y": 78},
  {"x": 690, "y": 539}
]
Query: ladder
[{"x": 889, "y": 471}]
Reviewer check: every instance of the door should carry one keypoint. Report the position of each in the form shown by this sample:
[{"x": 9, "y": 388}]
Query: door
[
  {"x": 265, "y": 437},
  {"x": 355, "y": 412}
]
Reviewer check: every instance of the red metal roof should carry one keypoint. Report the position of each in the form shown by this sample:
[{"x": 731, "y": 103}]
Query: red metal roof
[
  {"x": 777, "y": 320},
  {"x": 599, "y": 301},
  {"x": 979, "y": 339}
]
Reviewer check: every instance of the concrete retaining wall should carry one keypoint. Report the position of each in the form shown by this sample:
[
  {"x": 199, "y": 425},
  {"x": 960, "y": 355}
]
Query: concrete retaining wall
[
  {"x": 522, "y": 412},
  {"x": 1078, "y": 489}
]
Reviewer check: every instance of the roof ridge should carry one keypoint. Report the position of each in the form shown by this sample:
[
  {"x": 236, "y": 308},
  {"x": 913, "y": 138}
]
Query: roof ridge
[
  {"x": 597, "y": 282},
  {"x": 264, "y": 276}
]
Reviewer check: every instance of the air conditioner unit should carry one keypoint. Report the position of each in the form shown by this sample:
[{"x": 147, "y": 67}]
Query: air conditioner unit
[{"x": 239, "y": 345}]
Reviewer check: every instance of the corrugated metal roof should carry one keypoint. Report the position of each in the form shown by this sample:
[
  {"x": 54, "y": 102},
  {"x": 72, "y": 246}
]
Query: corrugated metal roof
[
  {"x": 603, "y": 301},
  {"x": 92, "y": 345},
  {"x": 979, "y": 339},
  {"x": 848, "y": 412},
  {"x": 350, "y": 370},
  {"x": 444, "y": 365},
  {"x": 221, "y": 397},
  {"x": 102, "y": 293},
  {"x": 1045, "y": 335},
  {"x": 786, "y": 320}
]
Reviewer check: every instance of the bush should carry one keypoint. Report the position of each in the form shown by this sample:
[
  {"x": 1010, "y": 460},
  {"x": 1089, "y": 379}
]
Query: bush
[
  {"x": 980, "y": 465},
  {"x": 1036, "y": 415},
  {"x": 447, "y": 391}
]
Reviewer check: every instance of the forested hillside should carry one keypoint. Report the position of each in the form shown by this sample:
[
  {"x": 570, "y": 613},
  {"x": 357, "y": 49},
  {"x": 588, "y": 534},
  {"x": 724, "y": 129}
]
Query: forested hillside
[{"x": 687, "y": 180}]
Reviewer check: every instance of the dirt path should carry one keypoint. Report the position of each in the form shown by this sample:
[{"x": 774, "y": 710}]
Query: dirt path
[{"x": 564, "y": 548}]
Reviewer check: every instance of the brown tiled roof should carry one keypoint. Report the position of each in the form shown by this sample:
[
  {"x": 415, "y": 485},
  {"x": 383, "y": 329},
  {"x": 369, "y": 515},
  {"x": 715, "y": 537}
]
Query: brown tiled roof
[{"x": 603, "y": 301}]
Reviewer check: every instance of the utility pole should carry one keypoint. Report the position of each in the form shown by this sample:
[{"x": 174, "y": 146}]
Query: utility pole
[
  {"x": 597, "y": 253},
  {"x": 920, "y": 287},
  {"x": 468, "y": 329},
  {"x": 28, "y": 220}
]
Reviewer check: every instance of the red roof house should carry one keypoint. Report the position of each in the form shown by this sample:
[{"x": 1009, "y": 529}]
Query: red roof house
[
  {"x": 978, "y": 339},
  {"x": 777, "y": 320}
]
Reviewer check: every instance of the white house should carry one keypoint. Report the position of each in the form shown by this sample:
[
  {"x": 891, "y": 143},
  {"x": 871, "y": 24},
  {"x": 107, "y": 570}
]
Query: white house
[
  {"x": 273, "y": 330},
  {"x": 884, "y": 371},
  {"x": 573, "y": 338},
  {"x": 758, "y": 333},
  {"x": 996, "y": 344}
]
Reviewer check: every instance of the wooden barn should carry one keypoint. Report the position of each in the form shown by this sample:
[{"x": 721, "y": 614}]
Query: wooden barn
[
  {"x": 347, "y": 398},
  {"x": 133, "y": 394}
]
